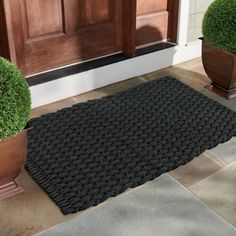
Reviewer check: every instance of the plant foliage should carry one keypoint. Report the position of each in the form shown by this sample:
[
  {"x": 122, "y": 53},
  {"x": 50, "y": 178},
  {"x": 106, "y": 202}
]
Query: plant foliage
[
  {"x": 15, "y": 100},
  {"x": 219, "y": 25}
]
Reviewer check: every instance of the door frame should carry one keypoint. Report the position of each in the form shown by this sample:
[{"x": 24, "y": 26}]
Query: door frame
[
  {"x": 129, "y": 27},
  {"x": 4, "y": 46}
]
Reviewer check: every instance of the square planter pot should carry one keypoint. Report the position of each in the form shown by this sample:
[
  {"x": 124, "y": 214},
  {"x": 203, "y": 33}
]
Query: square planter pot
[
  {"x": 220, "y": 66},
  {"x": 12, "y": 158}
]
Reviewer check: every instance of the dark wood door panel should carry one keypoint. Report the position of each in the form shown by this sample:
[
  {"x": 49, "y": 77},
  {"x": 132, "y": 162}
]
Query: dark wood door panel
[
  {"x": 90, "y": 12},
  {"x": 156, "y": 21},
  {"x": 38, "y": 17},
  {"x": 149, "y": 6},
  {"x": 59, "y": 32},
  {"x": 152, "y": 28},
  {"x": 4, "y": 50},
  {"x": 68, "y": 49}
]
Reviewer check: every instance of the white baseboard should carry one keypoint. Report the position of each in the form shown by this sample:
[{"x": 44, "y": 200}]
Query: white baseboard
[{"x": 73, "y": 85}]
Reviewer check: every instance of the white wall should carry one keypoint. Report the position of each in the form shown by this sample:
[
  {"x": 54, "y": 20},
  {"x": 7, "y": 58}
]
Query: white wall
[{"x": 197, "y": 8}]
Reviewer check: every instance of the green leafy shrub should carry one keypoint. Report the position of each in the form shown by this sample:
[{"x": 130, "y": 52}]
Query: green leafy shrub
[
  {"x": 219, "y": 25},
  {"x": 15, "y": 100}
]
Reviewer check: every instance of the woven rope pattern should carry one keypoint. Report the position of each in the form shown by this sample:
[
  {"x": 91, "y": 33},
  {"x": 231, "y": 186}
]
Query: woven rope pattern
[{"x": 95, "y": 150}]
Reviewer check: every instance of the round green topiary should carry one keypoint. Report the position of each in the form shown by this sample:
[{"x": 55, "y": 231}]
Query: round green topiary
[
  {"x": 219, "y": 25},
  {"x": 15, "y": 100}
]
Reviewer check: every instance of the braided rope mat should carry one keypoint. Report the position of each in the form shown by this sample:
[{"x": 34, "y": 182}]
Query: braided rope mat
[{"x": 95, "y": 150}]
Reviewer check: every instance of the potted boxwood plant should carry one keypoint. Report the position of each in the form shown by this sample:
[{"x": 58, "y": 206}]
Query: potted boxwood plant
[
  {"x": 15, "y": 103},
  {"x": 219, "y": 46}
]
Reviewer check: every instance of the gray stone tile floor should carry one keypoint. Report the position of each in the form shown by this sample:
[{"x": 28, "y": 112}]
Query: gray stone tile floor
[
  {"x": 161, "y": 207},
  {"x": 224, "y": 153},
  {"x": 218, "y": 191}
]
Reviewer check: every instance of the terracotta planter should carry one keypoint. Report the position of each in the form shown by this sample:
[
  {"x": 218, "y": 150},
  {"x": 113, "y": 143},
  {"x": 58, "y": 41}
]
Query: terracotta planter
[
  {"x": 12, "y": 158},
  {"x": 220, "y": 66}
]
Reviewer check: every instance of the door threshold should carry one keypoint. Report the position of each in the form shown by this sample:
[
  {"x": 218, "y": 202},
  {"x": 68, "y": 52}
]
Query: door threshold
[
  {"x": 58, "y": 85},
  {"x": 92, "y": 64}
]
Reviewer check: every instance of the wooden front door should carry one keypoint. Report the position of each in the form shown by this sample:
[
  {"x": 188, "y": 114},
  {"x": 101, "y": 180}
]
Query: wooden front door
[
  {"x": 45, "y": 34},
  {"x": 52, "y": 33}
]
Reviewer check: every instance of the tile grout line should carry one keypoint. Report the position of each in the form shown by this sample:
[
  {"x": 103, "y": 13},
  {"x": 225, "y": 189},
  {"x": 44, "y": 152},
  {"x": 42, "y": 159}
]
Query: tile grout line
[
  {"x": 219, "y": 164},
  {"x": 213, "y": 158},
  {"x": 217, "y": 172},
  {"x": 204, "y": 204}
]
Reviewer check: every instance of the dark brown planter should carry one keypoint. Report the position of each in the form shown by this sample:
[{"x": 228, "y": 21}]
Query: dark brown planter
[
  {"x": 12, "y": 157},
  {"x": 220, "y": 66}
]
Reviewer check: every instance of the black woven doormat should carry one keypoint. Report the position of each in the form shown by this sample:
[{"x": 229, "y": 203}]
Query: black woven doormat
[{"x": 95, "y": 150}]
